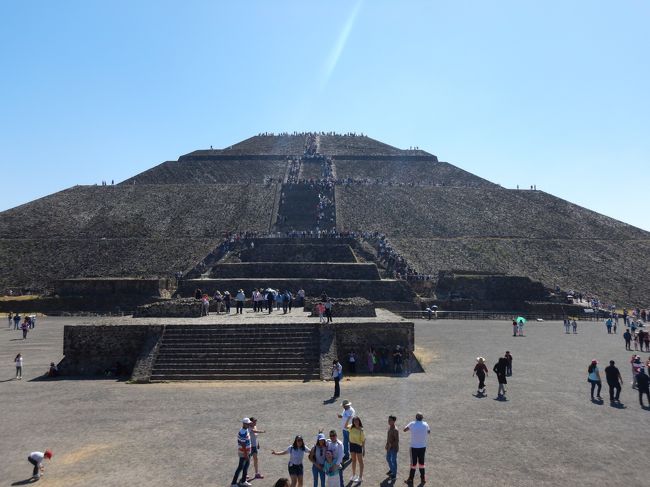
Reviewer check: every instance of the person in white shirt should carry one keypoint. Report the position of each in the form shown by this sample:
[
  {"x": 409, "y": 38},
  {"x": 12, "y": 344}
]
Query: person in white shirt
[
  {"x": 346, "y": 420},
  {"x": 419, "y": 437},
  {"x": 36, "y": 458}
]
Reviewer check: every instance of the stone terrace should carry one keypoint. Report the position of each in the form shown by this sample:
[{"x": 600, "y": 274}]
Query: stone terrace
[
  {"x": 408, "y": 170},
  {"x": 125, "y": 230},
  {"x": 212, "y": 170},
  {"x": 528, "y": 233}
]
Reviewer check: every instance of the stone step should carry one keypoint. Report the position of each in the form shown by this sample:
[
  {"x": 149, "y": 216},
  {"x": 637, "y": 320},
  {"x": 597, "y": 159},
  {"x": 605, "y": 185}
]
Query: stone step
[
  {"x": 237, "y": 336},
  {"x": 298, "y": 252},
  {"x": 244, "y": 366},
  {"x": 200, "y": 348},
  {"x": 234, "y": 376},
  {"x": 172, "y": 359}
]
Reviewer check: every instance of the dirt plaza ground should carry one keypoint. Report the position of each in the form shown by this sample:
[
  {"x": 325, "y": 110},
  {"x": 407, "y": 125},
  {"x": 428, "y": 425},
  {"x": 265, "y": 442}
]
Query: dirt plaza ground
[{"x": 109, "y": 433}]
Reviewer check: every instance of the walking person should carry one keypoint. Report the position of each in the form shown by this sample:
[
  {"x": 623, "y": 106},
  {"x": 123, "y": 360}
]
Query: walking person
[
  {"x": 255, "y": 447},
  {"x": 296, "y": 454},
  {"x": 16, "y": 321},
  {"x": 25, "y": 327},
  {"x": 614, "y": 381},
  {"x": 392, "y": 447},
  {"x": 357, "y": 448},
  {"x": 643, "y": 383},
  {"x": 346, "y": 419},
  {"x": 226, "y": 301},
  {"x": 337, "y": 374},
  {"x": 508, "y": 357},
  {"x": 328, "y": 310},
  {"x": 10, "y": 317},
  {"x": 514, "y": 328},
  {"x": 627, "y": 336},
  {"x": 594, "y": 379},
  {"x": 19, "y": 366},
  {"x": 243, "y": 452},
  {"x": 36, "y": 458},
  {"x": 500, "y": 370},
  {"x": 574, "y": 325},
  {"x": 480, "y": 371},
  {"x": 420, "y": 432},
  {"x": 317, "y": 456}
]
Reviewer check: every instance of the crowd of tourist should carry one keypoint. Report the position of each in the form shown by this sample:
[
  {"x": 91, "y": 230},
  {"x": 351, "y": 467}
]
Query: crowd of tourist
[
  {"x": 262, "y": 300},
  {"x": 330, "y": 456}
]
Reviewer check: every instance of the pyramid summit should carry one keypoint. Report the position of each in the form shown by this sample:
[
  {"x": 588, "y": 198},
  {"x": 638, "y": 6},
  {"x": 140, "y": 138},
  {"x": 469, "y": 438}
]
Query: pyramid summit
[{"x": 420, "y": 217}]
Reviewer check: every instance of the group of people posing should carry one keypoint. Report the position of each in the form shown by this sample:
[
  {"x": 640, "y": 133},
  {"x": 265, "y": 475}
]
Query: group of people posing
[
  {"x": 261, "y": 299},
  {"x": 330, "y": 455}
]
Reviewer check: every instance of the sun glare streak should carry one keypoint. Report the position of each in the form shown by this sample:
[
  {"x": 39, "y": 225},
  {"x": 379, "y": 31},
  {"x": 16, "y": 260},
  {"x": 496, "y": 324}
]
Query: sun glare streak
[{"x": 337, "y": 50}]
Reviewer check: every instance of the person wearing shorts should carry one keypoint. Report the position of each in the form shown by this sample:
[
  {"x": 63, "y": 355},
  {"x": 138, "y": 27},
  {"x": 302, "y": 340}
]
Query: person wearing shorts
[{"x": 296, "y": 454}]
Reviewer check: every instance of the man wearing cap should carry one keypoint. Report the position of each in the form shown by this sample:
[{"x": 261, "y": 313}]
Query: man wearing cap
[
  {"x": 336, "y": 447},
  {"x": 420, "y": 432},
  {"x": 36, "y": 458},
  {"x": 243, "y": 451},
  {"x": 346, "y": 419}
]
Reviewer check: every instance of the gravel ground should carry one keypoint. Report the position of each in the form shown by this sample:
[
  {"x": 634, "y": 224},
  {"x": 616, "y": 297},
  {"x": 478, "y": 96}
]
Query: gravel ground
[{"x": 548, "y": 432}]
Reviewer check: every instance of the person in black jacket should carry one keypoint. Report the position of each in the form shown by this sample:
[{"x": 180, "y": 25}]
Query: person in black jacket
[
  {"x": 643, "y": 383},
  {"x": 500, "y": 370}
]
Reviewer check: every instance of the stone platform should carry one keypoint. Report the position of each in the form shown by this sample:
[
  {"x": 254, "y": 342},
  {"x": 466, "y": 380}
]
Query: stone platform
[{"x": 248, "y": 346}]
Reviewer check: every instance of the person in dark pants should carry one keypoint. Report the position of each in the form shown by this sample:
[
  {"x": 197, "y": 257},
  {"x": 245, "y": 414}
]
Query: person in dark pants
[
  {"x": 269, "y": 301},
  {"x": 500, "y": 370},
  {"x": 480, "y": 370},
  {"x": 420, "y": 432},
  {"x": 643, "y": 384},
  {"x": 627, "y": 336},
  {"x": 36, "y": 458},
  {"x": 508, "y": 357},
  {"x": 614, "y": 381},
  {"x": 337, "y": 372},
  {"x": 244, "y": 452}
]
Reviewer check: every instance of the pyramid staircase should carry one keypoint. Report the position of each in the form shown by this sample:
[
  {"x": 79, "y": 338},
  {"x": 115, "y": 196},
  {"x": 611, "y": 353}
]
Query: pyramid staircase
[
  {"x": 329, "y": 269},
  {"x": 238, "y": 352}
]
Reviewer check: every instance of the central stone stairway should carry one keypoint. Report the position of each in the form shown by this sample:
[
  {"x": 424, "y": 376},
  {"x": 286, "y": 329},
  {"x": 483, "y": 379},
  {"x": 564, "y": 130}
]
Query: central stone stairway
[{"x": 231, "y": 352}]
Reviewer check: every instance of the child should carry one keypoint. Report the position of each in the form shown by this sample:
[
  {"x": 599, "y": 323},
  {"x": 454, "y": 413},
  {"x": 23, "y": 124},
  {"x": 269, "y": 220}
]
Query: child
[
  {"x": 331, "y": 470},
  {"x": 36, "y": 458}
]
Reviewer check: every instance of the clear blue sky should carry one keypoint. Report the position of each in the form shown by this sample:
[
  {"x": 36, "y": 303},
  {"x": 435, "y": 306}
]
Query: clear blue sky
[{"x": 552, "y": 93}]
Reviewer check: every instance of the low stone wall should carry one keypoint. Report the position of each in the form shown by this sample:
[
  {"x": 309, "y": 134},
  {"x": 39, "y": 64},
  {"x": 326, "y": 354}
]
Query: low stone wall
[
  {"x": 345, "y": 307},
  {"x": 111, "y": 286},
  {"x": 172, "y": 308},
  {"x": 92, "y": 349},
  {"x": 301, "y": 270}
]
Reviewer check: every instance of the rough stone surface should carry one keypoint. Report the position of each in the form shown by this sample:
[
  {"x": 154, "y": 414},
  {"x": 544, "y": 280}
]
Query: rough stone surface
[{"x": 173, "y": 308}]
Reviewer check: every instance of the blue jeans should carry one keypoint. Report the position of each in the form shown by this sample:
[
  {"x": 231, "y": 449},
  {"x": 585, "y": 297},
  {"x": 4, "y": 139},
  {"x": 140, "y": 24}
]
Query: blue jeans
[
  {"x": 391, "y": 458},
  {"x": 318, "y": 474},
  {"x": 242, "y": 468},
  {"x": 346, "y": 443}
]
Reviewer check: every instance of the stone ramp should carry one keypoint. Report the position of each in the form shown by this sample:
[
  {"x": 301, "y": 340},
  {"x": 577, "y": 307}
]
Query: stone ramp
[{"x": 235, "y": 352}]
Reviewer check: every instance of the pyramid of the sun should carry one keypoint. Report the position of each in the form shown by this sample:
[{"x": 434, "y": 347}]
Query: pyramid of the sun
[{"x": 437, "y": 216}]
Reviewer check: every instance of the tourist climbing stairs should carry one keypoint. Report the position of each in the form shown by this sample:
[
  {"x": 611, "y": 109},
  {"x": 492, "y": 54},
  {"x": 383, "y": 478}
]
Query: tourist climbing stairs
[{"x": 238, "y": 352}]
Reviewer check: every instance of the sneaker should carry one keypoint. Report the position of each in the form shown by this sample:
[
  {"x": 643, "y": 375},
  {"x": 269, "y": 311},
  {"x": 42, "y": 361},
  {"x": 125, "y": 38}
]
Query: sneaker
[
  {"x": 259, "y": 476},
  {"x": 245, "y": 483},
  {"x": 353, "y": 478}
]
